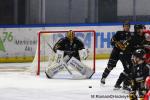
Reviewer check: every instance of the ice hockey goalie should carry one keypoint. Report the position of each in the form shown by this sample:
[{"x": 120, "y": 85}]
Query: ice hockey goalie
[{"x": 68, "y": 52}]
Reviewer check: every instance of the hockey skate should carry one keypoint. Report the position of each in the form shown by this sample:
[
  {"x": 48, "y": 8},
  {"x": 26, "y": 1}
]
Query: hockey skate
[
  {"x": 103, "y": 81},
  {"x": 117, "y": 87},
  {"x": 126, "y": 89}
]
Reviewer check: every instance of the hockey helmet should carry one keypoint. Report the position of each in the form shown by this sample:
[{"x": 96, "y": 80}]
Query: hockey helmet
[
  {"x": 147, "y": 82},
  {"x": 140, "y": 53},
  {"x": 138, "y": 26},
  {"x": 126, "y": 24}
]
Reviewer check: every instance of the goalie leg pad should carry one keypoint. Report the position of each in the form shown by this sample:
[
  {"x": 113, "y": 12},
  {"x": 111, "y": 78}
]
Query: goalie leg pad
[
  {"x": 54, "y": 69},
  {"x": 83, "y": 69},
  {"x": 56, "y": 58}
]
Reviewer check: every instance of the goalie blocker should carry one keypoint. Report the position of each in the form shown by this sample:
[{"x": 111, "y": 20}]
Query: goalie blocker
[{"x": 60, "y": 63}]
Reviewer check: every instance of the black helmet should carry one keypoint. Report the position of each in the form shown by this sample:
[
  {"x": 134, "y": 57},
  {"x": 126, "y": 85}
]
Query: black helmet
[
  {"x": 126, "y": 23},
  {"x": 139, "y": 53},
  {"x": 138, "y": 26}
]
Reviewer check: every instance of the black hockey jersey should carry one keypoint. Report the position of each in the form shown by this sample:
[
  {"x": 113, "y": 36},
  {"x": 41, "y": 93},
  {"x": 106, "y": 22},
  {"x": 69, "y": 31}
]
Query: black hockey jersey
[
  {"x": 137, "y": 41},
  {"x": 138, "y": 75},
  {"x": 140, "y": 72},
  {"x": 69, "y": 48},
  {"x": 122, "y": 36}
]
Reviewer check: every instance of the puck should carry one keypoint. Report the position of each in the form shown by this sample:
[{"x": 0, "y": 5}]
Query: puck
[{"x": 90, "y": 86}]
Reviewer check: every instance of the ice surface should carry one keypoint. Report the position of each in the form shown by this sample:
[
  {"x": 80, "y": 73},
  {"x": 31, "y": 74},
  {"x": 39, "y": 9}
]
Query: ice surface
[{"x": 24, "y": 86}]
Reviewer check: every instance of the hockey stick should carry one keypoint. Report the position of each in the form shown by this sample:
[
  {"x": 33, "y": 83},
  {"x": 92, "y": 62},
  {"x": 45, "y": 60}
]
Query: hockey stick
[
  {"x": 50, "y": 47},
  {"x": 73, "y": 76}
]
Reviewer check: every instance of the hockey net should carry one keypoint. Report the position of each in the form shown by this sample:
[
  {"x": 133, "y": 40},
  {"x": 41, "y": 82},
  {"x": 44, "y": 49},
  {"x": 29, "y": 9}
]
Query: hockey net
[{"x": 45, "y": 56}]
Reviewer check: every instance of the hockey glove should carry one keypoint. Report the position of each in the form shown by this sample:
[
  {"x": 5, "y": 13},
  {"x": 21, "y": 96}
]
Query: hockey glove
[
  {"x": 141, "y": 98},
  {"x": 120, "y": 45},
  {"x": 132, "y": 96}
]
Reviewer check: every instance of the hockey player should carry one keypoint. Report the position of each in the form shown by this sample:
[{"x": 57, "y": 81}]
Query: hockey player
[
  {"x": 147, "y": 86},
  {"x": 120, "y": 51},
  {"x": 69, "y": 51},
  {"x": 138, "y": 35},
  {"x": 134, "y": 44},
  {"x": 140, "y": 71}
]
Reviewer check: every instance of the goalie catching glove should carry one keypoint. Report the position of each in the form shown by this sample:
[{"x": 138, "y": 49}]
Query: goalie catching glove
[{"x": 83, "y": 54}]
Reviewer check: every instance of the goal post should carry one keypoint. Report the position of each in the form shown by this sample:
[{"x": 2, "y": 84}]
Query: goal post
[{"x": 46, "y": 41}]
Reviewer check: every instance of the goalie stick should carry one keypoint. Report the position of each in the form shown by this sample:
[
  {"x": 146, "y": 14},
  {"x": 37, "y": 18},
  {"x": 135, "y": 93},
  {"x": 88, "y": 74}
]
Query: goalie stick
[{"x": 73, "y": 76}]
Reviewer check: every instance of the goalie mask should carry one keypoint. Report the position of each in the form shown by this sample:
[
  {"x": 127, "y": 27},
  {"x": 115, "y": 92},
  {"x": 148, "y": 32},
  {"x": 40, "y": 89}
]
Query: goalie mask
[
  {"x": 147, "y": 83},
  {"x": 70, "y": 35}
]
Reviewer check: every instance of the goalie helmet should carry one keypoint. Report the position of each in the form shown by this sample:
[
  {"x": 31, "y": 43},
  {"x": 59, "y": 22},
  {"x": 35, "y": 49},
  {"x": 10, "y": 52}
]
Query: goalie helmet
[
  {"x": 70, "y": 35},
  {"x": 140, "y": 53},
  {"x": 147, "y": 82}
]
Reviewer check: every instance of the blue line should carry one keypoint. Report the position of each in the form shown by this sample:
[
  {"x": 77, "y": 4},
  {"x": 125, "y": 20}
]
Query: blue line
[{"x": 67, "y": 25}]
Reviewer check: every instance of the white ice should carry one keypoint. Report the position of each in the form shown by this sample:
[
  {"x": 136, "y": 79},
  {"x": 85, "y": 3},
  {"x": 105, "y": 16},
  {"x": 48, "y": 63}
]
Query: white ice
[{"x": 23, "y": 86}]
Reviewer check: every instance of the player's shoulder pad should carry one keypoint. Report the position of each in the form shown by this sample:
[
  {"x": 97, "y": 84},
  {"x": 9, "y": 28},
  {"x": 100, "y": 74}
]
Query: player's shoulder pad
[
  {"x": 62, "y": 39},
  {"x": 120, "y": 32},
  {"x": 77, "y": 39}
]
